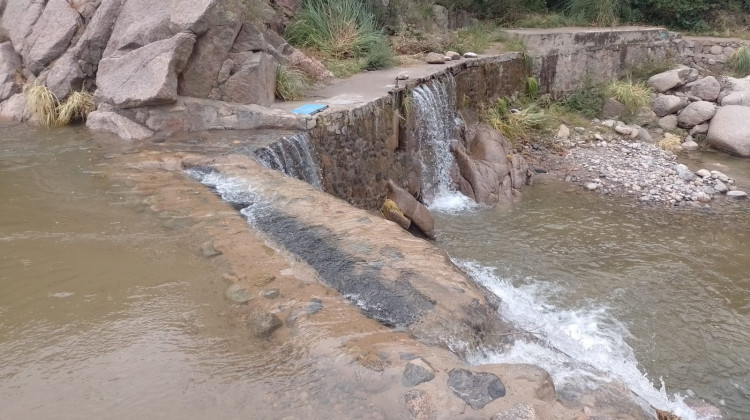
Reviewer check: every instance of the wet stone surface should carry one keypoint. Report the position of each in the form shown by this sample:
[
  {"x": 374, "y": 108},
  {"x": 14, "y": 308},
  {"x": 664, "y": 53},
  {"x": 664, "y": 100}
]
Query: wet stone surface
[
  {"x": 418, "y": 371},
  {"x": 476, "y": 389}
]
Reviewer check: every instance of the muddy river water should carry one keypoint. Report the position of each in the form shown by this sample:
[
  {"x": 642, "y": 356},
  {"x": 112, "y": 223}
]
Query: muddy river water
[
  {"x": 643, "y": 295},
  {"x": 109, "y": 311}
]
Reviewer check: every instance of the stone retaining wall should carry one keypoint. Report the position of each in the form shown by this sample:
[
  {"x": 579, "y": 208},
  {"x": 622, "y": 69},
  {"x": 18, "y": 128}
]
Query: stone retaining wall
[
  {"x": 361, "y": 148},
  {"x": 565, "y": 57},
  {"x": 707, "y": 54}
]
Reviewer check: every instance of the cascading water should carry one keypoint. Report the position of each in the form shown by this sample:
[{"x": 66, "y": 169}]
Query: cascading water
[
  {"x": 293, "y": 156},
  {"x": 436, "y": 126}
]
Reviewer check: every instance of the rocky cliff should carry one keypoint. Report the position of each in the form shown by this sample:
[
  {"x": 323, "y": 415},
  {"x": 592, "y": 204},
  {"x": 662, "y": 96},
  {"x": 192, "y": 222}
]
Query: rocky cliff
[{"x": 168, "y": 66}]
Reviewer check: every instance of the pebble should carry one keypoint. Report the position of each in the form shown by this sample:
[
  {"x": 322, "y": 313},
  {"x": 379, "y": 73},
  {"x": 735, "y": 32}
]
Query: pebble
[
  {"x": 208, "y": 250},
  {"x": 470, "y": 55},
  {"x": 270, "y": 293},
  {"x": 238, "y": 294},
  {"x": 418, "y": 371},
  {"x": 737, "y": 194},
  {"x": 591, "y": 186},
  {"x": 315, "y": 306}
]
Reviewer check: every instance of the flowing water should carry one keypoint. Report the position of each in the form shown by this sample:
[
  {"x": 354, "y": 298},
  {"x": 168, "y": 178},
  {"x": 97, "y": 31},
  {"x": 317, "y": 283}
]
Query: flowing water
[
  {"x": 107, "y": 311},
  {"x": 293, "y": 156},
  {"x": 638, "y": 294},
  {"x": 437, "y": 126}
]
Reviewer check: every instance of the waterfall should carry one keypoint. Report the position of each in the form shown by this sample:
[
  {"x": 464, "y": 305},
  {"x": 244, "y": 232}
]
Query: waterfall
[
  {"x": 437, "y": 125},
  {"x": 293, "y": 156}
]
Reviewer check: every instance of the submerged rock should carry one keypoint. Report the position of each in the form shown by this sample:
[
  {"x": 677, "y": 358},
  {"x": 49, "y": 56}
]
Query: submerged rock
[
  {"x": 262, "y": 324},
  {"x": 476, "y": 389},
  {"x": 238, "y": 294},
  {"x": 418, "y": 371}
]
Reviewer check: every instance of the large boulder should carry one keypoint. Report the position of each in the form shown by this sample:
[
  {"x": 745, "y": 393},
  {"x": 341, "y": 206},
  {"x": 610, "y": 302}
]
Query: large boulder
[
  {"x": 117, "y": 124},
  {"x": 50, "y": 35},
  {"x": 18, "y": 20},
  {"x": 707, "y": 88},
  {"x": 145, "y": 76},
  {"x": 252, "y": 79},
  {"x": 413, "y": 209},
  {"x": 671, "y": 79},
  {"x": 477, "y": 389},
  {"x": 14, "y": 108},
  {"x": 736, "y": 98},
  {"x": 729, "y": 130},
  {"x": 10, "y": 70},
  {"x": 696, "y": 113},
  {"x": 738, "y": 84},
  {"x": 211, "y": 49},
  {"x": 668, "y": 104},
  {"x": 485, "y": 167}
]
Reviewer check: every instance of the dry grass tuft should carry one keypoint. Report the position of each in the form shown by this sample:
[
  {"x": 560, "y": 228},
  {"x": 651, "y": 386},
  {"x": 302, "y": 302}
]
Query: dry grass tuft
[
  {"x": 76, "y": 108},
  {"x": 634, "y": 95},
  {"x": 42, "y": 103},
  {"x": 390, "y": 206},
  {"x": 670, "y": 142}
]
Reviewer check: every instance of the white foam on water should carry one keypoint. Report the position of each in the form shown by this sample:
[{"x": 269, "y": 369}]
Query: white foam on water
[
  {"x": 451, "y": 202},
  {"x": 581, "y": 347}
]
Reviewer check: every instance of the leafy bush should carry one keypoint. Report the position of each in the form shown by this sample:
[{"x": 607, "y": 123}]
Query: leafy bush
[
  {"x": 588, "y": 99},
  {"x": 340, "y": 30},
  {"x": 740, "y": 61},
  {"x": 291, "y": 84}
]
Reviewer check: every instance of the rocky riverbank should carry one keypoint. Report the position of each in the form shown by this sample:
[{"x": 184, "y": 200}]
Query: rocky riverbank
[{"x": 607, "y": 162}]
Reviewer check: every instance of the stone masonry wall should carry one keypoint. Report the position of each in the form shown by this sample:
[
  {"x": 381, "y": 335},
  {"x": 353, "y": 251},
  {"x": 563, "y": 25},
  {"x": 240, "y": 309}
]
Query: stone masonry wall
[
  {"x": 707, "y": 54},
  {"x": 362, "y": 148}
]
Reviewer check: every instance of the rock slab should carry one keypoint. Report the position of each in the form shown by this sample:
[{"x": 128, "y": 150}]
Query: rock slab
[
  {"x": 729, "y": 130},
  {"x": 476, "y": 389},
  {"x": 418, "y": 371}
]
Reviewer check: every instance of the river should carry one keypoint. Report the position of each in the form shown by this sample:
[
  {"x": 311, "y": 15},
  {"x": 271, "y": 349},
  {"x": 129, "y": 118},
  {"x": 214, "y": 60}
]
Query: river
[{"x": 656, "y": 298}]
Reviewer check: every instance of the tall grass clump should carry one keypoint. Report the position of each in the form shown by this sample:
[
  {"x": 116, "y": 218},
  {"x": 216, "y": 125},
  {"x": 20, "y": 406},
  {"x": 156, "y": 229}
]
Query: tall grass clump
[
  {"x": 76, "y": 108},
  {"x": 587, "y": 100},
  {"x": 596, "y": 12},
  {"x": 42, "y": 103},
  {"x": 50, "y": 112},
  {"x": 740, "y": 61},
  {"x": 514, "y": 123},
  {"x": 338, "y": 30},
  {"x": 291, "y": 84},
  {"x": 634, "y": 95},
  {"x": 642, "y": 71},
  {"x": 475, "y": 38}
]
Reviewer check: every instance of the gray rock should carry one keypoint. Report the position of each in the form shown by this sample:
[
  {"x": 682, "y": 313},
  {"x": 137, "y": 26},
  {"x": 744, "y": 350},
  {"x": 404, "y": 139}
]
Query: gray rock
[
  {"x": 520, "y": 411},
  {"x": 702, "y": 197},
  {"x": 737, "y": 195},
  {"x": 65, "y": 76},
  {"x": 262, "y": 324},
  {"x": 475, "y": 389},
  {"x": 670, "y": 79},
  {"x": 720, "y": 187},
  {"x": 668, "y": 122},
  {"x": 696, "y": 113},
  {"x": 270, "y": 293},
  {"x": 703, "y": 173},
  {"x": 668, "y": 104},
  {"x": 624, "y": 130},
  {"x": 613, "y": 108},
  {"x": 145, "y": 76},
  {"x": 117, "y": 124},
  {"x": 707, "y": 88},
  {"x": 591, "y": 186},
  {"x": 470, "y": 55},
  {"x": 50, "y": 35},
  {"x": 18, "y": 20},
  {"x": 736, "y": 98},
  {"x": 453, "y": 55},
  {"x": 434, "y": 58},
  {"x": 253, "y": 81},
  {"x": 419, "y": 404},
  {"x": 699, "y": 129},
  {"x": 413, "y": 209},
  {"x": 418, "y": 371},
  {"x": 644, "y": 135},
  {"x": 10, "y": 68},
  {"x": 729, "y": 130},
  {"x": 14, "y": 108},
  {"x": 563, "y": 132},
  {"x": 738, "y": 84},
  {"x": 684, "y": 173},
  {"x": 238, "y": 294},
  {"x": 689, "y": 144}
]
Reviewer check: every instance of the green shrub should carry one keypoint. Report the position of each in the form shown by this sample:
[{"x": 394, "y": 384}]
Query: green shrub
[
  {"x": 597, "y": 12},
  {"x": 532, "y": 87},
  {"x": 587, "y": 100},
  {"x": 740, "y": 61},
  {"x": 340, "y": 30},
  {"x": 475, "y": 38},
  {"x": 291, "y": 84}
]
